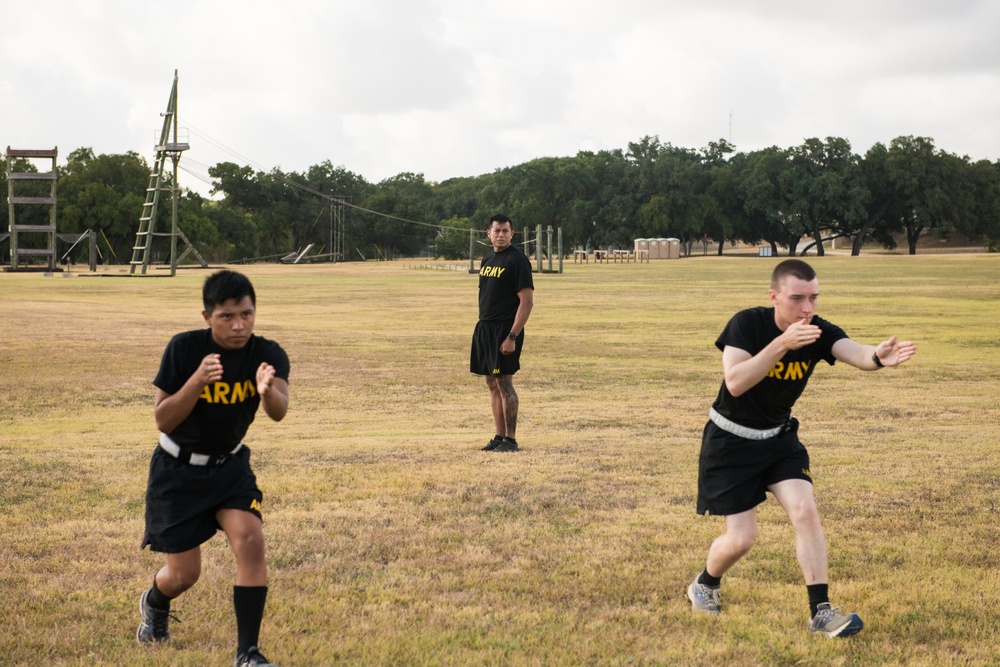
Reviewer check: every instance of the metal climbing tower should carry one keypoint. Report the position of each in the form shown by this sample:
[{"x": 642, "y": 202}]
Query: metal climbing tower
[{"x": 170, "y": 146}]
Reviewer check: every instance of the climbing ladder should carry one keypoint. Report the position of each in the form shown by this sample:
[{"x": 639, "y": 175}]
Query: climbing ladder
[{"x": 169, "y": 146}]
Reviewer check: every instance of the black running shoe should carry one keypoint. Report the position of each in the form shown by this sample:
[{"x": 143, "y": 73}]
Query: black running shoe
[
  {"x": 507, "y": 445},
  {"x": 154, "y": 624},
  {"x": 252, "y": 658},
  {"x": 493, "y": 444}
]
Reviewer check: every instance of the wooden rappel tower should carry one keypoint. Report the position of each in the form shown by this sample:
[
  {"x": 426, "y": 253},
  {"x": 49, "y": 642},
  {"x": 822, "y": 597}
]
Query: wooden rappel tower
[
  {"x": 20, "y": 255},
  {"x": 170, "y": 146}
]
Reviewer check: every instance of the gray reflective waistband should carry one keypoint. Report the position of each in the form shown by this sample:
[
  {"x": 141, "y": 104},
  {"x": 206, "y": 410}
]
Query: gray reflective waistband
[
  {"x": 170, "y": 447},
  {"x": 742, "y": 431}
]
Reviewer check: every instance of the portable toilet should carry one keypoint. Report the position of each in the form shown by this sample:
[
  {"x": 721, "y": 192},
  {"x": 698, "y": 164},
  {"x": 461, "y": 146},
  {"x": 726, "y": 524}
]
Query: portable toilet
[
  {"x": 673, "y": 248},
  {"x": 641, "y": 246},
  {"x": 661, "y": 248}
]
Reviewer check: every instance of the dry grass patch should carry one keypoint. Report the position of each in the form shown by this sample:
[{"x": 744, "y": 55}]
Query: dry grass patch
[{"x": 393, "y": 541}]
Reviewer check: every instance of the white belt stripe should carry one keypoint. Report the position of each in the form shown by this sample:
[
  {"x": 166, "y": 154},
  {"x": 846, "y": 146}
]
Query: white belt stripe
[
  {"x": 172, "y": 448},
  {"x": 742, "y": 431}
]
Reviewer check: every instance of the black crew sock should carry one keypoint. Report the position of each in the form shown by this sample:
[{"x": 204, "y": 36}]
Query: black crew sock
[
  {"x": 157, "y": 599},
  {"x": 249, "y": 602},
  {"x": 509, "y": 439},
  {"x": 708, "y": 580},
  {"x": 818, "y": 594}
]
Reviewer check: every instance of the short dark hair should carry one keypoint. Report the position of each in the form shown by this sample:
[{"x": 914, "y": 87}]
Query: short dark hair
[
  {"x": 791, "y": 267},
  {"x": 224, "y": 285},
  {"x": 501, "y": 218}
]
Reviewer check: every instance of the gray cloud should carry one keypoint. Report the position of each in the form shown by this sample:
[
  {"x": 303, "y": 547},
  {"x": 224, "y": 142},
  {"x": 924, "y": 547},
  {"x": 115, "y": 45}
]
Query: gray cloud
[{"x": 455, "y": 88}]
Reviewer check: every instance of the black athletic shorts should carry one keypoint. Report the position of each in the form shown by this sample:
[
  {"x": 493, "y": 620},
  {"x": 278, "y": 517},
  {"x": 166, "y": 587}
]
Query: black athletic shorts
[
  {"x": 182, "y": 499},
  {"x": 734, "y": 473},
  {"x": 486, "y": 358}
]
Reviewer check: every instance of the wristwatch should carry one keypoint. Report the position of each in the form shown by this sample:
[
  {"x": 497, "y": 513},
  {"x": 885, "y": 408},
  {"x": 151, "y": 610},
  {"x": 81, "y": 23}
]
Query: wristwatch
[
  {"x": 512, "y": 336},
  {"x": 878, "y": 362}
]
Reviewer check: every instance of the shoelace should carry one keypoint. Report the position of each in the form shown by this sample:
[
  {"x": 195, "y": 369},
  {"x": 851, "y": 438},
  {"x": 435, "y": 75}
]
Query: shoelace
[
  {"x": 711, "y": 595},
  {"x": 160, "y": 619},
  {"x": 828, "y": 614}
]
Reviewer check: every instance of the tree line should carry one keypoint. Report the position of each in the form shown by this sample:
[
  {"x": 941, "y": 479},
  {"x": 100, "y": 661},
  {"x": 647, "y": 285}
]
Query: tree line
[{"x": 778, "y": 196}]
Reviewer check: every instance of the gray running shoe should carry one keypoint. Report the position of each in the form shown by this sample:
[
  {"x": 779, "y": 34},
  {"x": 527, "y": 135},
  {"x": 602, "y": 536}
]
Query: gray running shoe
[
  {"x": 704, "y": 598},
  {"x": 153, "y": 627},
  {"x": 828, "y": 622},
  {"x": 252, "y": 658}
]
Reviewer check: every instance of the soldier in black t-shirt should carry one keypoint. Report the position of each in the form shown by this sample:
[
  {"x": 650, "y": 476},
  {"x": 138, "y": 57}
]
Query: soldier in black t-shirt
[
  {"x": 506, "y": 296},
  {"x": 209, "y": 386},
  {"x": 751, "y": 446}
]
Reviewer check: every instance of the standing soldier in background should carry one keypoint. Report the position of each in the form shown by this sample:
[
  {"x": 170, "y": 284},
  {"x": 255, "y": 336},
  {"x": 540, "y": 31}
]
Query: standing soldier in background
[
  {"x": 210, "y": 384},
  {"x": 506, "y": 296},
  {"x": 751, "y": 443}
]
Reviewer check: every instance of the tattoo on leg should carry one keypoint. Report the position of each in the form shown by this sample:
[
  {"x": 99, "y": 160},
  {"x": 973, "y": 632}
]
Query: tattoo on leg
[{"x": 510, "y": 403}]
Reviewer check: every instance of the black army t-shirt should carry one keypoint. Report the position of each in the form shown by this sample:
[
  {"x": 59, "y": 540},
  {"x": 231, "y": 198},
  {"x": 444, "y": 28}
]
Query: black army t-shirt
[
  {"x": 226, "y": 408},
  {"x": 501, "y": 276},
  {"x": 769, "y": 403}
]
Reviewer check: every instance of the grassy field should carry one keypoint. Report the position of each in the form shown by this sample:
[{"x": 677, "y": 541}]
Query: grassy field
[{"x": 393, "y": 541}]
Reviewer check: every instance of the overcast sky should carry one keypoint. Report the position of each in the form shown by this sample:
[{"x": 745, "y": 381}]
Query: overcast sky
[{"x": 462, "y": 87}]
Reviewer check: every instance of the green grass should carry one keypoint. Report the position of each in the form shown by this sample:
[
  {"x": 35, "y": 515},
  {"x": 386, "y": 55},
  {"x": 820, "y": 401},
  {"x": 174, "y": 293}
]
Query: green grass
[{"x": 393, "y": 541}]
